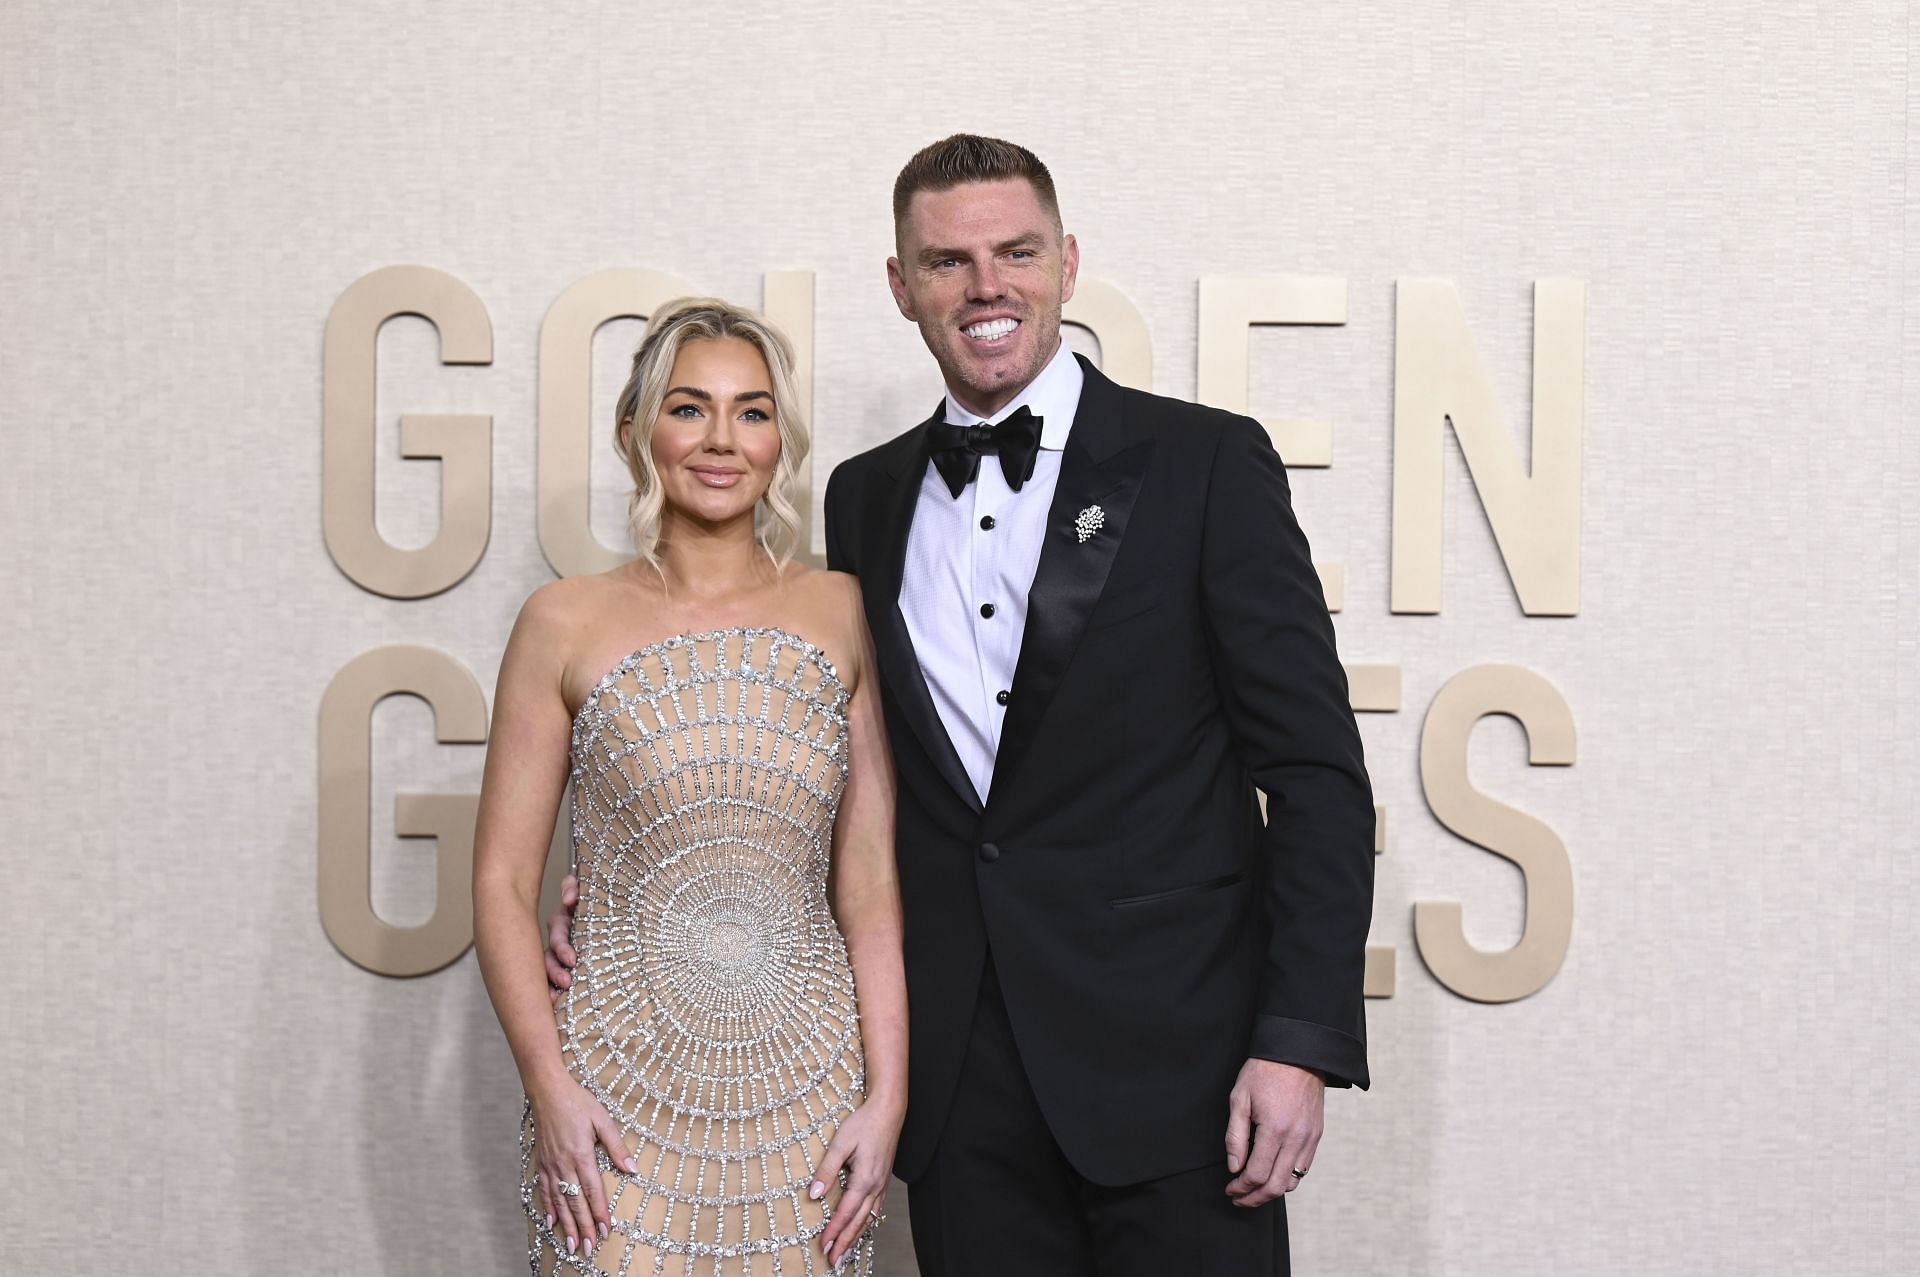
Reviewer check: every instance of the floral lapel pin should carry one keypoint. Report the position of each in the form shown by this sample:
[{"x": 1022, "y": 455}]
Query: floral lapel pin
[{"x": 1088, "y": 522}]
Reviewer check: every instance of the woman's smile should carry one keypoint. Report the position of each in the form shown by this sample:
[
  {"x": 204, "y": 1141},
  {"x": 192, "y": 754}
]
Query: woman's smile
[{"x": 717, "y": 476}]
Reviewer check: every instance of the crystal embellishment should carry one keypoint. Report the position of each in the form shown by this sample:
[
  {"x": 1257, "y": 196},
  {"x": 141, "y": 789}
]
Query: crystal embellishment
[
  {"x": 1088, "y": 522},
  {"x": 712, "y": 1010}
]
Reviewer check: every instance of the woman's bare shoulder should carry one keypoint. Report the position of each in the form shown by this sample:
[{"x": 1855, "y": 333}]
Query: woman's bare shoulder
[
  {"x": 573, "y": 608},
  {"x": 836, "y": 595},
  {"x": 831, "y": 604},
  {"x": 564, "y": 604},
  {"x": 842, "y": 587}
]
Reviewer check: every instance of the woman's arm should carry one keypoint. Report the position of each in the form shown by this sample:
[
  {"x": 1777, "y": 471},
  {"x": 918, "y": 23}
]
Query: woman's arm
[
  {"x": 526, "y": 773},
  {"x": 866, "y": 902}
]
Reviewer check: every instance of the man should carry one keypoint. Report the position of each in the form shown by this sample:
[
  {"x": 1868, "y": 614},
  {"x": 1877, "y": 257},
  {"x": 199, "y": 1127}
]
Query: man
[{"x": 1099, "y": 632}]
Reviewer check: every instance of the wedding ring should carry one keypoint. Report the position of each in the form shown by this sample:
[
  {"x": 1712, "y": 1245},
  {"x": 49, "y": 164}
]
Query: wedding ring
[
  {"x": 1298, "y": 1173},
  {"x": 876, "y": 1217},
  {"x": 565, "y": 1189}
]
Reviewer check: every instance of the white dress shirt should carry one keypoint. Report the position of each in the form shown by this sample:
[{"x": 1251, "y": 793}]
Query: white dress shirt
[{"x": 970, "y": 563}]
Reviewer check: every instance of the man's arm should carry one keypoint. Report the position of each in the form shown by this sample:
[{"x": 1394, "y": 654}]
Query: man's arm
[
  {"x": 1284, "y": 694},
  {"x": 1285, "y": 697},
  {"x": 836, "y": 518}
]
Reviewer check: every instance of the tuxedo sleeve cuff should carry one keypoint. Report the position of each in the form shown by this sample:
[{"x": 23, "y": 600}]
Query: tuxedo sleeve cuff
[{"x": 1339, "y": 1057}]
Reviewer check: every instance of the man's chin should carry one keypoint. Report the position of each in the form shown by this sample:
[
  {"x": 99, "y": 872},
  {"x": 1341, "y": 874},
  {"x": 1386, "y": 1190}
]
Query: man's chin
[{"x": 984, "y": 378}]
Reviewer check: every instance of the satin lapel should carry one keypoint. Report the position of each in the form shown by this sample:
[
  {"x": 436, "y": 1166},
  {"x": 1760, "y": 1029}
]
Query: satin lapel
[
  {"x": 1102, "y": 466},
  {"x": 899, "y": 666}
]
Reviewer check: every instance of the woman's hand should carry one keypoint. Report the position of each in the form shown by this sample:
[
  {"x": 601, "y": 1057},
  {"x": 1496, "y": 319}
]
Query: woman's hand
[
  {"x": 561, "y": 958},
  {"x": 568, "y": 1122},
  {"x": 863, "y": 1146}
]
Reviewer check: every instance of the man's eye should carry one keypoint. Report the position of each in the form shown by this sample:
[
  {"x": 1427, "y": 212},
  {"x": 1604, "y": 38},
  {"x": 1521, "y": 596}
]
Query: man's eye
[
  {"x": 1021, "y": 253},
  {"x": 946, "y": 263}
]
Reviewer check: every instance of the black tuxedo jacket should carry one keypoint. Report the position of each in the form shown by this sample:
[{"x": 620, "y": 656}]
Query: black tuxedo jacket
[{"x": 1148, "y": 931}]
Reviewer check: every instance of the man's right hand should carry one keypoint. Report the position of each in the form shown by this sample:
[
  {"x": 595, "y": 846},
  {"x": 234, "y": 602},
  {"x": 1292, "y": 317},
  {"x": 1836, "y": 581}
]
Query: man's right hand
[{"x": 560, "y": 955}]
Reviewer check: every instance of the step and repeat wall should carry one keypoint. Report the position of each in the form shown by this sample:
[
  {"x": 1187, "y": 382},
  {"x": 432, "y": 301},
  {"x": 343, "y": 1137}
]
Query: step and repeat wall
[{"x": 1587, "y": 337}]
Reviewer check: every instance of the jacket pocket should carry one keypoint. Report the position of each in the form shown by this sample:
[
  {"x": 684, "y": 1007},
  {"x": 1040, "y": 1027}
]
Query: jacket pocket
[
  {"x": 1122, "y": 611},
  {"x": 1153, "y": 897}
]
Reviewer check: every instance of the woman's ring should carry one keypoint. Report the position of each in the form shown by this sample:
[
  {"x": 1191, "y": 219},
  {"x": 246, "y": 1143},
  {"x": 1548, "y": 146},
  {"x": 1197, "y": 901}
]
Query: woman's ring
[
  {"x": 565, "y": 1189},
  {"x": 1298, "y": 1173},
  {"x": 876, "y": 1217}
]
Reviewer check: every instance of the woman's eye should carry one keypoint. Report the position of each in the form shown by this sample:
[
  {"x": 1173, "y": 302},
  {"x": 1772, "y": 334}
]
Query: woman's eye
[
  {"x": 754, "y": 414},
  {"x": 684, "y": 410}
]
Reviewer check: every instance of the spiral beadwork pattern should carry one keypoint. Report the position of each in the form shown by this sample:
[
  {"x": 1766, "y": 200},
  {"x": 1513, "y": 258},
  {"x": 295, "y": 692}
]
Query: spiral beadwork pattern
[{"x": 712, "y": 1010}]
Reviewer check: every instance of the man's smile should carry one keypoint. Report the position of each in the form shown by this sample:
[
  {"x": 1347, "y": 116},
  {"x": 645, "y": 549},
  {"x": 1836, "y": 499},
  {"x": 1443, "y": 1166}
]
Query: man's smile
[{"x": 990, "y": 332}]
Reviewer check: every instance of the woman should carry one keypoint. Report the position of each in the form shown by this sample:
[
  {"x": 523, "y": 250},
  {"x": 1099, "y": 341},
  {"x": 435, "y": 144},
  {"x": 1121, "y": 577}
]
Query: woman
[{"x": 710, "y": 1102}]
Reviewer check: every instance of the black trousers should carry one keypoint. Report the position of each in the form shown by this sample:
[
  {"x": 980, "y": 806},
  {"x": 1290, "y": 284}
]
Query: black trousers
[{"x": 1000, "y": 1199}]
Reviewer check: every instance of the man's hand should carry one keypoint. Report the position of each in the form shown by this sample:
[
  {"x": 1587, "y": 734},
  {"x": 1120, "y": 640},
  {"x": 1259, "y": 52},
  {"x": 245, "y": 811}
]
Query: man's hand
[
  {"x": 1281, "y": 1110},
  {"x": 560, "y": 954}
]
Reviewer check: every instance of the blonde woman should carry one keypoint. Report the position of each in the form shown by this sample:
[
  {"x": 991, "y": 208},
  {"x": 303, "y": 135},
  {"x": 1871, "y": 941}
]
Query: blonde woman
[{"x": 704, "y": 1097}]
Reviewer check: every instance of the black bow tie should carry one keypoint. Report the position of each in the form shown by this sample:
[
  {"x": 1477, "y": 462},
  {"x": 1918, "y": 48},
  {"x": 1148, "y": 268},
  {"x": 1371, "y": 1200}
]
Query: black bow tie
[{"x": 957, "y": 449}]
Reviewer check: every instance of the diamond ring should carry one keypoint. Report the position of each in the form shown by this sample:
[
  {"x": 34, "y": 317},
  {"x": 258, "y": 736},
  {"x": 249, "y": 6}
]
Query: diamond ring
[{"x": 565, "y": 1189}]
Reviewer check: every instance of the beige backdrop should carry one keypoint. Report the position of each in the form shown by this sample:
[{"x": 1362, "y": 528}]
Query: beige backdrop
[{"x": 1718, "y": 1080}]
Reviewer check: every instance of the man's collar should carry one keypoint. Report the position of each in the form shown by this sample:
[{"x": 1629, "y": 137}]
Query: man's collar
[{"x": 1054, "y": 395}]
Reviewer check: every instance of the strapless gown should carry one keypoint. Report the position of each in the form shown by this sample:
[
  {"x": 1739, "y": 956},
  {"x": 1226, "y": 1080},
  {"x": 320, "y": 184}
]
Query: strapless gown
[{"x": 712, "y": 1010}]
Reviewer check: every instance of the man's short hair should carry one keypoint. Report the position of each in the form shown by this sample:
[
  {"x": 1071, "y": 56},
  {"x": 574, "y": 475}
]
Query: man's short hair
[{"x": 968, "y": 157}]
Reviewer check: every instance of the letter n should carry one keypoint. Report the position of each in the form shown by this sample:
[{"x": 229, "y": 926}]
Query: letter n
[{"x": 1439, "y": 380}]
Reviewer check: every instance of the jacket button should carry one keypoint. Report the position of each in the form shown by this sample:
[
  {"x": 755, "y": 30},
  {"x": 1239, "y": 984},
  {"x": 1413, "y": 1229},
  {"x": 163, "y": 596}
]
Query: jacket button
[
  {"x": 1001, "y": 698},
  {"x": 989, "y": 852}
]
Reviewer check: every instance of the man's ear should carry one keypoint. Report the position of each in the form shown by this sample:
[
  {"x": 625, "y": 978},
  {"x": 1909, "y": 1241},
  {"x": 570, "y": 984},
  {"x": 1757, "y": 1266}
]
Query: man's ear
[
  {"x": 1070, "y": 268},
  {"x": 897, "y": 285}
]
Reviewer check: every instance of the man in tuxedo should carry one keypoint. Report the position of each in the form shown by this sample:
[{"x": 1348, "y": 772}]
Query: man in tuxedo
[{"x": 1099, "y": 633}]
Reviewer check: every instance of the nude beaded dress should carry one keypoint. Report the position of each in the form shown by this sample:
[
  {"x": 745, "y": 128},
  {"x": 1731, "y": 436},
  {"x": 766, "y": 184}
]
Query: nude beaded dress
[{"x": 712, "y": 1009}]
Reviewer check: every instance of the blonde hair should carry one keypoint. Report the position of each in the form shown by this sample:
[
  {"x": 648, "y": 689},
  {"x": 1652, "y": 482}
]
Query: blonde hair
[{"x": 776, "y": 522}]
